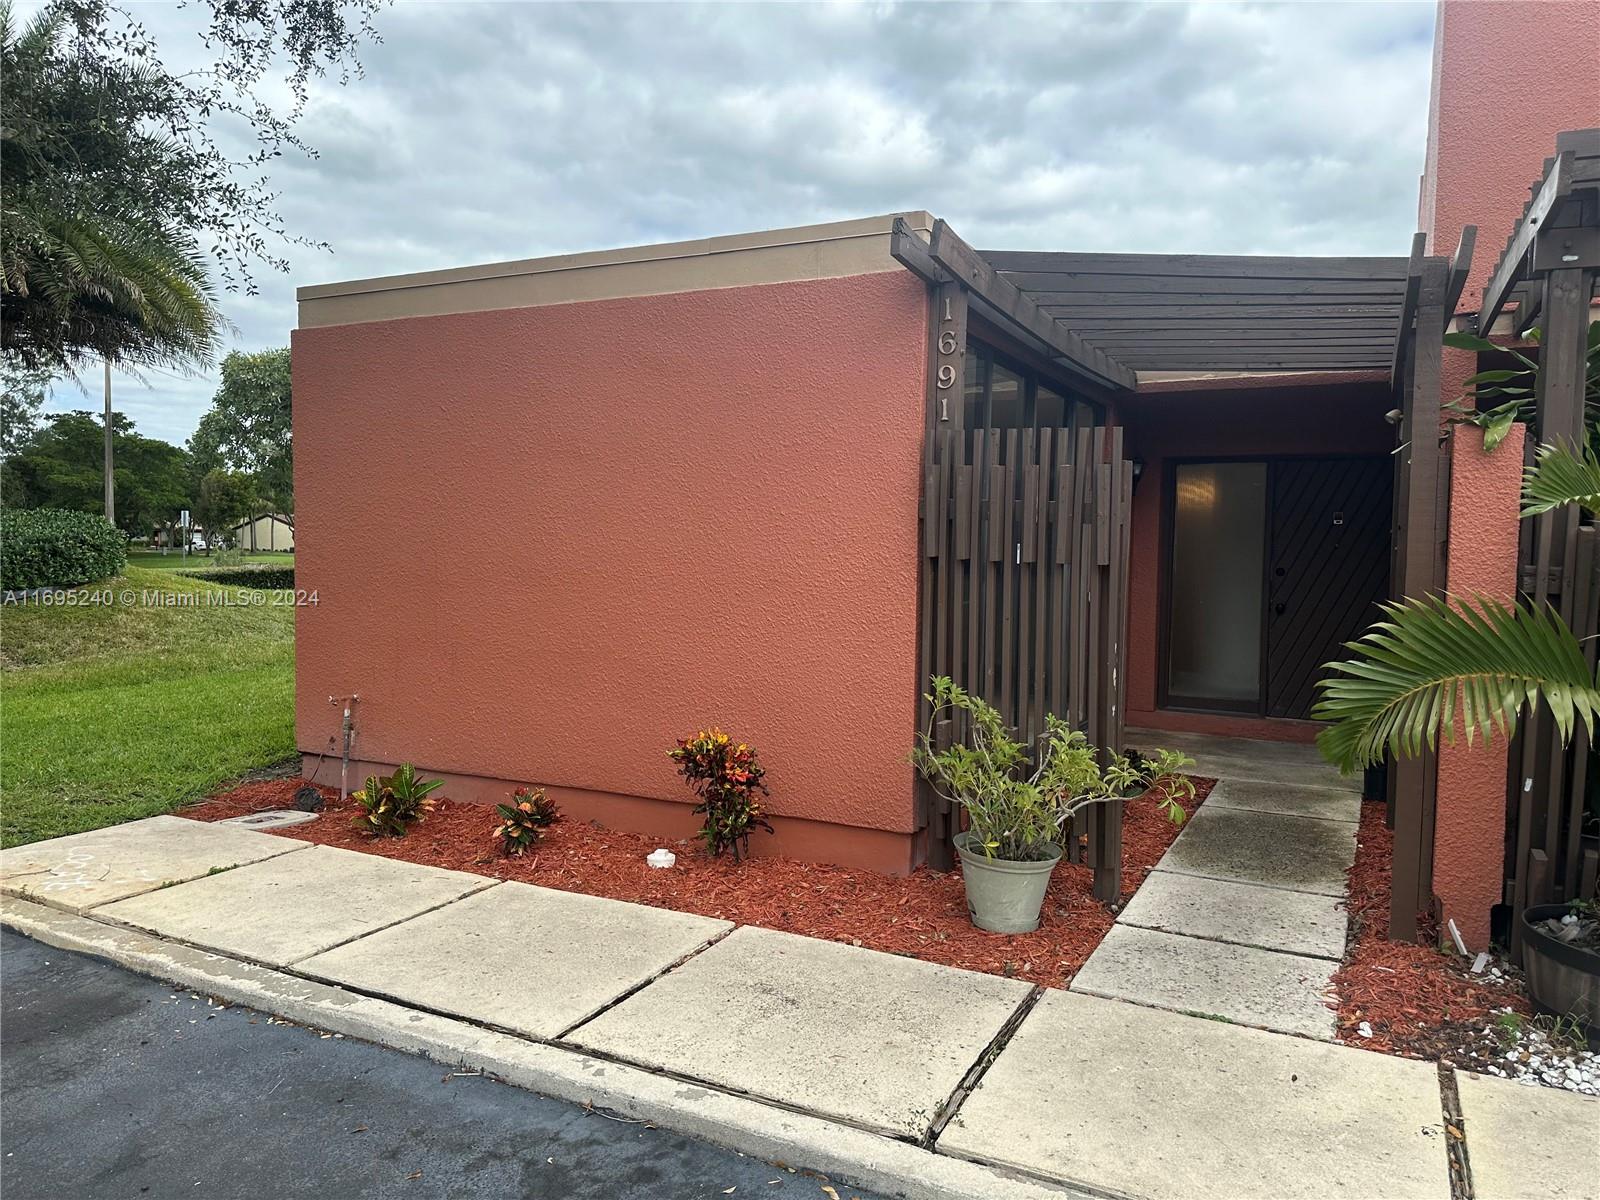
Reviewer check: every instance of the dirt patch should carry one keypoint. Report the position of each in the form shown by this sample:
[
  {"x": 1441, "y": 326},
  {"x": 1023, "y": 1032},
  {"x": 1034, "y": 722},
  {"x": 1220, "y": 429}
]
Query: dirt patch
[
  {"x": 1417, "y": 1001},
  {"x": 921, "y": 916}
]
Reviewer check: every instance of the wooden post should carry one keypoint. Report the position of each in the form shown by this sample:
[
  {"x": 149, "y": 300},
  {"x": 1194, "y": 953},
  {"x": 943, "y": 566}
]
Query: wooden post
[
  {"x": 944, "y": 565},
  {"x": 1419, "y": 526}
]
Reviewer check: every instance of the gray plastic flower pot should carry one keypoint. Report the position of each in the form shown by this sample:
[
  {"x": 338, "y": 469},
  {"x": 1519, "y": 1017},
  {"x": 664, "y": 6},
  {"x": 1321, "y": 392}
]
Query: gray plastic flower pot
[{"x": 1004, "y": 896}]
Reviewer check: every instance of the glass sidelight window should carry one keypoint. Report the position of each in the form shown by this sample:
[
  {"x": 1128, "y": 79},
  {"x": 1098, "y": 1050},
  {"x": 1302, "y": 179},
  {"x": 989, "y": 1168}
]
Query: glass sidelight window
[
  {"x": 1003, "y": 395},
  {"x": 1218, "y": 561}
]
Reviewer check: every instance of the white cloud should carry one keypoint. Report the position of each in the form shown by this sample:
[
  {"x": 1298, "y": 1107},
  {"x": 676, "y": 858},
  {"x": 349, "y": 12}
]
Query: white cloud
[{"x": 496, "y": 131}]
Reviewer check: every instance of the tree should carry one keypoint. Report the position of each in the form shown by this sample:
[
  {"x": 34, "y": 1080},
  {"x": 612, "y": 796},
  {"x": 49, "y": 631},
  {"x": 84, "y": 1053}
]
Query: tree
[
  {"x": 249, "y": 428},
  {"x": 91, "y": 265},
  {"x": 1432, "y": 662},
  {"x": 226, "y": 499},
  {"x": 62, "y": 466},
  {"x": 116, "y": 190},
  {"x": 22, "y": 395}
]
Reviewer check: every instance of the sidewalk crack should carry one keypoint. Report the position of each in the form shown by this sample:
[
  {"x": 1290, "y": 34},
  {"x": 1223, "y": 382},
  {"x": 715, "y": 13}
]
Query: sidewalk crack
[
  {"x": 1455, "y": 1135},
  {"x": 975, "y": 1074}
]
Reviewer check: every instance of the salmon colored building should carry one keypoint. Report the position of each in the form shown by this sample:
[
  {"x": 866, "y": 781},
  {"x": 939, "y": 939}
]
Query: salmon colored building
[{"x": 559, "y": 512}]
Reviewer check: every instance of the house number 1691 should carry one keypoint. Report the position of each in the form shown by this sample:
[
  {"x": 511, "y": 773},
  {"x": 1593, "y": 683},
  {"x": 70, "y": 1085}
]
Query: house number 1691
[{"x": 945, "y": 375}]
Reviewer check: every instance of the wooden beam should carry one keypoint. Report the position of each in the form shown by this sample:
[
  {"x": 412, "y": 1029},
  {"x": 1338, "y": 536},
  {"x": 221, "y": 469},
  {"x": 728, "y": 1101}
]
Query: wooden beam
[
  {"x": 1205, "y": 266},
  {"x": 1408, "y": 306},
  {"x": 1069, "y": 288},
  {"x": 1274, "y": 309},
  {"x": 964, "y": 263},
  {"x": 1460, "y": 268},
  {"x": 1246, "y": 356},
  {"x": 912, "y": 252},
  {"x": 1557, "y": 182},
  {"x": 1298, "y": 335}
]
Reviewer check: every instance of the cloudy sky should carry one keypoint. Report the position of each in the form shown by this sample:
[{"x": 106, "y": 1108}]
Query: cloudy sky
[{"x": 495, "y": 131}]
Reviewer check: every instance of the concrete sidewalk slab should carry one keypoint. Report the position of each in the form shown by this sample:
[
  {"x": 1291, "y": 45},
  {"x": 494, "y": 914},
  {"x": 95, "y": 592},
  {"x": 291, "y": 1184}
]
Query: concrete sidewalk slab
[
  {"x": 1247, "y": 758},
  {"x": 1242, "y": 913},
  {"x": 1137, "y": 1102},
  {"x": 1299, "y": 853},
  {"x": 288, "y": 908},
  {"x": 1331, "y": 804},
  {"x": 870, "y": 1038},
  {"x": 1241, "y": 983},
  {"x": 528, "y": 959},
  {"x": 1529, "y": 1143},
  {"x": 83, "y": 870},
  {"x": 847, "y": 1154}
]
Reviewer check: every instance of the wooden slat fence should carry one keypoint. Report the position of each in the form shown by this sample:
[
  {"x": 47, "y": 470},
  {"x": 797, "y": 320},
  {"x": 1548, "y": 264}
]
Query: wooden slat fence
[
  {"x": 1553, "y": 847},
  {"x": 1553, "y": 825},
  {"x": 1025, "y": 541}
]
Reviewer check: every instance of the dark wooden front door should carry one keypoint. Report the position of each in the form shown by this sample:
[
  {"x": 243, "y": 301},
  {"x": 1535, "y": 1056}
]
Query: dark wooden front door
[{"x": 1327, "y": 567}]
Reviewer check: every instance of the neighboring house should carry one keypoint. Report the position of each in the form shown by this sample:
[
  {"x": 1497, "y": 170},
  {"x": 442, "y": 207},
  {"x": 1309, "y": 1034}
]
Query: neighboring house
[
  {"x": 774, "y": 480},
  {"x": 269, "y": 531}
]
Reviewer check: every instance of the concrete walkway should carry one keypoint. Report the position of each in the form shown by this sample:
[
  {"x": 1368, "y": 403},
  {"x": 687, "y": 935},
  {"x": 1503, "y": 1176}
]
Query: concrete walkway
[
  {"x": 900, "y": 1076},
  {"x": 1243, "y": 918}
]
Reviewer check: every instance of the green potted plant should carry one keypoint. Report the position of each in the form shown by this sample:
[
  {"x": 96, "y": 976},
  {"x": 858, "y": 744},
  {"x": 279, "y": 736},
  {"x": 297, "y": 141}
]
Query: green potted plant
[{"x": 1018, "y": 804}]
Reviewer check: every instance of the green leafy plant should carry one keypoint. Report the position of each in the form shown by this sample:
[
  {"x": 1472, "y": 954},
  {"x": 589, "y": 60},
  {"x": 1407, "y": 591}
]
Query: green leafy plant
[
  {"x": 391, "y": 804},
  {"x": 1431, "y": 663},
  {"x": 1562, "y": 474},
  {"x": 524, "y": 820},
  {"x": 1018, "y": 802},
  {"x": 1516, "y": 388},
  {"x": 727, "y": 776},
  {"x": 267, "y": 578},
  {"x": 53, "y": 547}
]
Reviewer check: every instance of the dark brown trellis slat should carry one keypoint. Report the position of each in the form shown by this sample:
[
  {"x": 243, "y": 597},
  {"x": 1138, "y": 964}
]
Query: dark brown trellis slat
[{"x": 1025, "y": 551}]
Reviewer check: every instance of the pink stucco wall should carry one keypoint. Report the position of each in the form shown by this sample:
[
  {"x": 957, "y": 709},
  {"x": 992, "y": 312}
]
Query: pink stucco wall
[
  {"x": 1507, "y": 77},
  {"x": 548, "y": 540},
  {"x": 1469, "y": 820},
  {"x": 1489, "y": 132}
]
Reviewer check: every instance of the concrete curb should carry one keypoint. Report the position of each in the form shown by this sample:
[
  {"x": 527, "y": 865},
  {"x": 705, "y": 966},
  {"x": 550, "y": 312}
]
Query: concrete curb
[{"x": 735, "y": 1122}]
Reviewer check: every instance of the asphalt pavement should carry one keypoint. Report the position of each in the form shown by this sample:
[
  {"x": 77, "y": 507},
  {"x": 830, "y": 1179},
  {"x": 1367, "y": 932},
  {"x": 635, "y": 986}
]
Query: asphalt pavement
[{"x": 115, "y": 1085}]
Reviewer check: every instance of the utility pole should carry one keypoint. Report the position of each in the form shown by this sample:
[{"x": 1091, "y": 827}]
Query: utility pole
[{"x": 111, "y": 480}]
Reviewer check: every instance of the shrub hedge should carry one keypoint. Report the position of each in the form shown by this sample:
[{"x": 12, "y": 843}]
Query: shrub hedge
[
  {"x": 267, "y": 578},
  {"x": 58, "y": 548}
]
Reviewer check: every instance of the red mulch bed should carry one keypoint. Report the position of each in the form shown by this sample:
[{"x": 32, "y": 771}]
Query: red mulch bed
[
  {"x": 1419, "y": 1002},
  {"x": 922, "y": 916}
]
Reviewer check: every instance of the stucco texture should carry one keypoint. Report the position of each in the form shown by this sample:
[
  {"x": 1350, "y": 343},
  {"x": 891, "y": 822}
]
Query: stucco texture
[
  {"x": 1489, "y": 132},
  {"x": 1469, "y": 816},
  {"x": 547, "y": 541}
]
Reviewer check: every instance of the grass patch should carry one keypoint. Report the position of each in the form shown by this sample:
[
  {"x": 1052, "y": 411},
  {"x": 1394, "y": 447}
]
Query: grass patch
[
  {"x": 154, "y": 560},
  {"x": 114, "y": 712}
]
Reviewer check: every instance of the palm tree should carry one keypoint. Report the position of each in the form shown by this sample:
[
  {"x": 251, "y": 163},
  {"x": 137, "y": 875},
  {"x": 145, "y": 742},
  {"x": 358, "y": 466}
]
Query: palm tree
[
  {"x": 88, "y": 268},
  {"x": 1432, "y": 663}
]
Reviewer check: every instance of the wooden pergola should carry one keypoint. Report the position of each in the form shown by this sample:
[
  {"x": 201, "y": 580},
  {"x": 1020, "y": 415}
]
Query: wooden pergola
[{"x": 1215, "y": 312}]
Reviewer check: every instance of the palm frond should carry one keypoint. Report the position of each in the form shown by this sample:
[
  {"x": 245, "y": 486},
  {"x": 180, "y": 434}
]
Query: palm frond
[
  {"x": 1431, "y": 665},
  {"x": 1562, "y": 474}
]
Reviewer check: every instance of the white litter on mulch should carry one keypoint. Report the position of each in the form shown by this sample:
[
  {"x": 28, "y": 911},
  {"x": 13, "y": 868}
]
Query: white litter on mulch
[{"x": 1537, "y": 1058}]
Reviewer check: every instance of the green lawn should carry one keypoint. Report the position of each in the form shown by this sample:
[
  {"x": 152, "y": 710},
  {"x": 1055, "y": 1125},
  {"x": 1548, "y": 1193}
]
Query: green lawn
[
  {"x": 116, "y": 712},
  {"x": 156, "y": 561}
]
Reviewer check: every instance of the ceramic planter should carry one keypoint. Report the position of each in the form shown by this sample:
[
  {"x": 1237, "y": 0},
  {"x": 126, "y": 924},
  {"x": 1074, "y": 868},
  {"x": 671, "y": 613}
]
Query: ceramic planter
[
  {"x": 1563, "y": 979},
  {"x": 1004, "y": 896}
]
